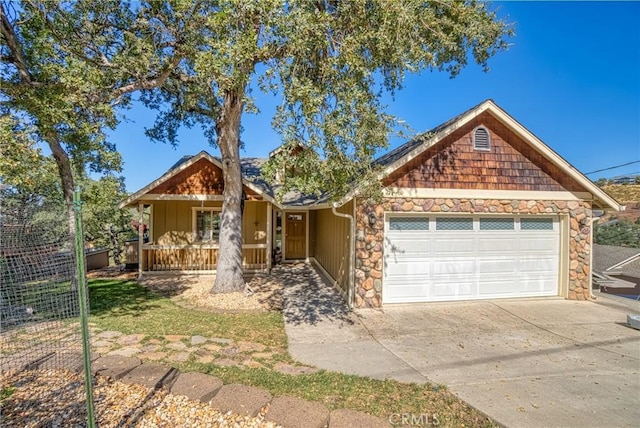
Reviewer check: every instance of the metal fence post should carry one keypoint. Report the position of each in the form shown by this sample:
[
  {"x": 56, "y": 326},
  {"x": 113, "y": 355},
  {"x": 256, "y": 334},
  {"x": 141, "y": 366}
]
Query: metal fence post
[{"x": 83, "y": 298}]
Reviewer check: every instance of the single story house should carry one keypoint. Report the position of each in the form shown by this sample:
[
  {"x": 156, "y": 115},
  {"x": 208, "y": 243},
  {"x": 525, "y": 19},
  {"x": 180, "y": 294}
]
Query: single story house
[{"x": 476, "y": 208}]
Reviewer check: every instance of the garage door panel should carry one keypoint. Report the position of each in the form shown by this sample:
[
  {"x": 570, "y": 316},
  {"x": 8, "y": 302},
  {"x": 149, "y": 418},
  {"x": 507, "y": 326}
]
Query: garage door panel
[
  {"x": 458, "y": 288},
  {"x": 497, "y": 265},
  {"x": 452, "y": 245},
  {"x": 407, "y": 268},
  {"x": 447, "y": 263},
  {"x": 408, "y": 292},
  {"x": 496, "y": 288},
  {"x": 417, "y": 246},
  {"x": 453, "y": 267},
  {"x": 496, "y": 245},
  {"x": 538, "y": 266},
  {"x": 539, "y": 244},
  {"x": 543, "y": 284}
]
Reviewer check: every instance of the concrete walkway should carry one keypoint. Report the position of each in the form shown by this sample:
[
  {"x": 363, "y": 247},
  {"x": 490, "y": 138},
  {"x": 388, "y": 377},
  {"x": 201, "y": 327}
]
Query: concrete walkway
[{"x": 530, "y": 362}]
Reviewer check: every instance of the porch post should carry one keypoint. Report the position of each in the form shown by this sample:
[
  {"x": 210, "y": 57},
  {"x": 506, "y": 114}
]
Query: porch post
[
  {"x": 269, "y": 231},
  {"x": 140, "y": 237}
]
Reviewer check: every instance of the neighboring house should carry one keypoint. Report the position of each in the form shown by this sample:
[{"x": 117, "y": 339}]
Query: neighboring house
[
  {"x": 617, "y": 269},
  {"x": 476, "y": 208}
]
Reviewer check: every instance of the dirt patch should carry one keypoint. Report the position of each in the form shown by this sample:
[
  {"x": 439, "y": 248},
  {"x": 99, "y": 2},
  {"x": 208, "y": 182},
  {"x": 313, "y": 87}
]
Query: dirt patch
[
  {"x": 194, "y": 291},
  {"x": 112, "y": 272}
]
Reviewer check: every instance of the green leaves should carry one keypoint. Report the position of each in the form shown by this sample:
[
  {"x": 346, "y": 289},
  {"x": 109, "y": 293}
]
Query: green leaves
[{"x": 335, "y": 62}]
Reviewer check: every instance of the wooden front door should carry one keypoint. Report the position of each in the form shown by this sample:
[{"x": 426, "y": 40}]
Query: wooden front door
[{"x": 296, "y": 236}]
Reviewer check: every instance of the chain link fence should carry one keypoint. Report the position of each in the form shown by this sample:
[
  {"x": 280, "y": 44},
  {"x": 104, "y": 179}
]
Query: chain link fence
[{"x": 40, "y": 308}]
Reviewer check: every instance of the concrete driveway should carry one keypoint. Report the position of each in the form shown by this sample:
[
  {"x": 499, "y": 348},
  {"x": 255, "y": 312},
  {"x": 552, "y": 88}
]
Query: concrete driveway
[{"x": 535, "y": 362}]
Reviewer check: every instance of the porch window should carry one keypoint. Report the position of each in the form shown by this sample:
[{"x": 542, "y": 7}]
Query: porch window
[{"x": 206, "y": 225}]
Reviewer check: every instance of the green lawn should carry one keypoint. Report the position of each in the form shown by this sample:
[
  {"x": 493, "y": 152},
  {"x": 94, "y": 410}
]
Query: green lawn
[{"x": 127, "y": 307}]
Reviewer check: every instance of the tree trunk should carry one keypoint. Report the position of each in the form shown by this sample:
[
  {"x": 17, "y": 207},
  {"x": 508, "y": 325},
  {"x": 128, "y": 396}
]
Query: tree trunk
[
  {"x": 66, "y": 179},
  {"x": 229, "y": 277},
  {"x": 115, "y": 244}
]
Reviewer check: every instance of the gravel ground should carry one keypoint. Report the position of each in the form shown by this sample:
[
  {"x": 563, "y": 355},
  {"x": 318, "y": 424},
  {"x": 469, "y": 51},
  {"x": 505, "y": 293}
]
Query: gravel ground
[
  {"x": 195, "y": 290},
  {"x": 55, "y": 398}
]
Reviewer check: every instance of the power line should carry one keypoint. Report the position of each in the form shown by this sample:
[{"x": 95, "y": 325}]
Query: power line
[{"x": 612, "y": 167}]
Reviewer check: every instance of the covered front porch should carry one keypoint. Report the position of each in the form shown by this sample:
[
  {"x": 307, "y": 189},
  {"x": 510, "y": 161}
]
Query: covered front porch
[{"x": 183, "y": 236}]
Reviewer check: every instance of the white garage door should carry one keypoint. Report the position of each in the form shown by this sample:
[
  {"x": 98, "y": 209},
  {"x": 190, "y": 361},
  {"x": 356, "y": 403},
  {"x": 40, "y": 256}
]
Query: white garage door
[{"x": 438, "y": 258}]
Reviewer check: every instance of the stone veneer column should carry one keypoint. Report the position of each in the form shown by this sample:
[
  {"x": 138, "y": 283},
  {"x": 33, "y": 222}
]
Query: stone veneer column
[{"x": 370, "y": 247}]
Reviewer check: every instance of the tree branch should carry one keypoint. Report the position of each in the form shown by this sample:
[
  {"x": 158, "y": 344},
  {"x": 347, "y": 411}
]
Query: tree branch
[
  {"x": 151, "y": 82},
  {"x": 8, "y": 33}
]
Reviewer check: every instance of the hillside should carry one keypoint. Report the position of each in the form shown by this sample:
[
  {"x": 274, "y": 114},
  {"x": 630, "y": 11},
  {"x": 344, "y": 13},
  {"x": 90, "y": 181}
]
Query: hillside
[
  {"x": 628, "y": 195},
  {"x": 624, "y": 192}
]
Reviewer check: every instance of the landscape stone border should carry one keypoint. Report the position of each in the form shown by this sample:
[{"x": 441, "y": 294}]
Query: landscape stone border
[{"x": 284, "y": 410}]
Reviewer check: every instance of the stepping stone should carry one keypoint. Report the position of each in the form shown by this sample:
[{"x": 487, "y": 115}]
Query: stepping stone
[
  {"x": 196, "y": 386},
  {"x": 114, "y": 366},
  {"x": 154, "y": 356},
  {"x": 347, "y": 418},
  {"x": 198, "y": 340},
  {"x": 292, "y": 412},
  {"x": 294, "y": 370},
  {"x": 241, "y": 399},
  {"x": 230, "y": 351},
  {"x": 180, "y": 357},
  {"x": 221, "y": 340},
  {"x": 178, "y": 346},
  {"x": 150, "y": 348},
  {"x": 225, "y": 362},
  {"x": 129, "y": 351},
  {"x": 204, "y": 356},
  {"x": 152, "y": 375},
  {"x": 101, "y": 343},
  {"x": 130, "y": 339},
  {"x": 212, "y": 347},
  {"x": 250, "y": 347}
]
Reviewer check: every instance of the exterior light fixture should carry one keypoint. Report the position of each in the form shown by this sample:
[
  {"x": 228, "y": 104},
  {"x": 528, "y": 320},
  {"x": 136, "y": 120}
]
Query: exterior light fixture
[{"x": 372, "y": 219}]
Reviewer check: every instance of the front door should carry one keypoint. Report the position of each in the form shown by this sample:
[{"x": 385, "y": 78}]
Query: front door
[{"x": 296, "y": 236}]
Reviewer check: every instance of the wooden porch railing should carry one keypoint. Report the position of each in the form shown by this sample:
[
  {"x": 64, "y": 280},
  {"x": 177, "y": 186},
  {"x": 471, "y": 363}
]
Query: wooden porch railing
[{"x": 198, "y": 257}]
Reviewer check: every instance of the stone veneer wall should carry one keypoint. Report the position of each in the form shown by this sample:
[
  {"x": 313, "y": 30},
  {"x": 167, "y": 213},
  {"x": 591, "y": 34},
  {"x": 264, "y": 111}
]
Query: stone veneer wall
[{"x": 369, "y": 239}]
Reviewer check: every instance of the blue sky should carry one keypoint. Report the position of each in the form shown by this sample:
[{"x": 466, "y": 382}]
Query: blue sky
[{"x": 571, "y": 76}]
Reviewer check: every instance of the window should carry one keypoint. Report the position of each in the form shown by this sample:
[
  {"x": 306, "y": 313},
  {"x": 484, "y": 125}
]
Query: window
[
  {"x": 454, "y": 223},
  {"x": 496, "y": 224},
  {"x": 408, "y": 223},
  {"x": 481, "y": 139},
  {"x": 536, "y": 224},
  {"x": 206, "y": 225}
]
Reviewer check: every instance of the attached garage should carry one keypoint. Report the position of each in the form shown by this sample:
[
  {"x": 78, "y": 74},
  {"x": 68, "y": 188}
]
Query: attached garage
[{"x": 440, "y": 257}]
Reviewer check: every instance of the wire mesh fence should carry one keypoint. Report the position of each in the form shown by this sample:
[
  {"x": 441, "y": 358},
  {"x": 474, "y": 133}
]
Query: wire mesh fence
[{"x": 40, "y": 323}]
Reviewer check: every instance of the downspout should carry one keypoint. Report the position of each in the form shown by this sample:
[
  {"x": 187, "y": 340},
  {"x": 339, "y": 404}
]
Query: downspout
[
  {"x": 352, "y": 253},
  {"x": 593, "y": 222}
]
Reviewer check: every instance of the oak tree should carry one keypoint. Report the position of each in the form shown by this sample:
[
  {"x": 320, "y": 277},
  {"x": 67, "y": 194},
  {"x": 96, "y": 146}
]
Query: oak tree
[
  {"x": 66, "y": 68},
  {"x": 330, "y": 62}
]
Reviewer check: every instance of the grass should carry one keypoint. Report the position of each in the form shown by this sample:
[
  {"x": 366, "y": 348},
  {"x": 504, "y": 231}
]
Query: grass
[
  {"x": 6, "y": 392},
  {"x": 127, "y": 307}
]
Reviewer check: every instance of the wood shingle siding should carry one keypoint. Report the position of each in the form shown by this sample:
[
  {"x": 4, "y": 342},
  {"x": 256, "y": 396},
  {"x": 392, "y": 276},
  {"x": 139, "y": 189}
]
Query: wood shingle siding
[
  {"x": 510, "y": 164},
  {"x": 201, "y": 178}
]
